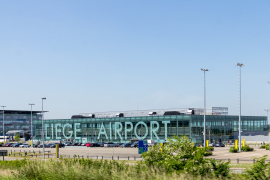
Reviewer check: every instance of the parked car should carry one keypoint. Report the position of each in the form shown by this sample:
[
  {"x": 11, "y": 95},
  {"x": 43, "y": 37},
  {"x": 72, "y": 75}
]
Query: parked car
[
  {"x": 110, "y": 144},
  {"x": 75, "y": 144},
  {"x": 68, "y": 144},
  {"x": 45, "y": 145},
  {"x": 87, "y": 144},
  {"x": 8, "y": 145},
  {"x": 17, "y": 145},
  {"x": 95, "y": 145},
  {"x": 118, "y": 144},
  {"x": 212, "y": 145},
  {"x": 197, "y": 145},
  {"x": 60, "y": 145},
  {"x": 35, "y": 145},
  {"x": 101, "y": 144},
  {"x": 24, "y": 146},
  {"x": 125, "y": 145},
  {"x": 219, "y": 145},
  {"x": 134, "y": 145}
]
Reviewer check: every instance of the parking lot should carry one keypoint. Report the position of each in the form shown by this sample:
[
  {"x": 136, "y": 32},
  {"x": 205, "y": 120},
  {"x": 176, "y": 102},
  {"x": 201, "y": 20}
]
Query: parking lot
[{"x": 124, "y": 153}]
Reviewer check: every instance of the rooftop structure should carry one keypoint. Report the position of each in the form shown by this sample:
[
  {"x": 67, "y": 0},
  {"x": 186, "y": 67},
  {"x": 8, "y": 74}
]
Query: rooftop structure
[{"x": 156, "y": 112}]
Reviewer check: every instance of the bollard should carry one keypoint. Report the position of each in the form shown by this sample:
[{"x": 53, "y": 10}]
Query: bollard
[
  {"x": 112, "y": 157},
  {"x": 237, "y": 161},
  {"x": 36, "y": 155},
  {"x": 118, "y": 157},
  {"x": 87, "y": 156},
  {"x": 228, "y": 159},
  {"x": 14, "y": 155},
  {"x": 253, "y": 160},
  {"x": 128, "y": 158},
  {"x": 97, "y": 157},
  {"x": 48, "y": 155},
  {"x": 20, "y": 151},
  {"x": 82, "y": 156},
  {"x": 102, "y": 157}
]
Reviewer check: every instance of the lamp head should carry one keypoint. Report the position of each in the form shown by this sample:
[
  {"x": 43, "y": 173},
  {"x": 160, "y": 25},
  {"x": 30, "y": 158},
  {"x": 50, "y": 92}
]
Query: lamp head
[
  {"x": 43, "y": 98},
  {"x": 240, "y": 64}
]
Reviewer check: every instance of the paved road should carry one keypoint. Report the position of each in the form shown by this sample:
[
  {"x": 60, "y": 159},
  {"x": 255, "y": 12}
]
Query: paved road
[{"x": 123, "y": 153}]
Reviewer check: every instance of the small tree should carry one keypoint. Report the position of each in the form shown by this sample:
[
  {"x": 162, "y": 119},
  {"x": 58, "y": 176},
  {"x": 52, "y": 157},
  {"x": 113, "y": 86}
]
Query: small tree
[{"x": 17, "y": 137}]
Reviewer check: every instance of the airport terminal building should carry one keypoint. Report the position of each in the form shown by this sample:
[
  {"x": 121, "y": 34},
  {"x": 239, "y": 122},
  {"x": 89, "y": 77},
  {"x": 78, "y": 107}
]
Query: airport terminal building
[{"x": 155, "y": 124}]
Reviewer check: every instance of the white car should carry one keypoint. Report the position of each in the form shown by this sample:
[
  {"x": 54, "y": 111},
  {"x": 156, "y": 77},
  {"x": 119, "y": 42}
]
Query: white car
[{"x": 24, "y": 146}]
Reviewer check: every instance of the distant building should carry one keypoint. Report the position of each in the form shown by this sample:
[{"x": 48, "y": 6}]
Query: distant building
[
  {"x": 18, "y": 120},
  {"x": 123, "y": 126}
]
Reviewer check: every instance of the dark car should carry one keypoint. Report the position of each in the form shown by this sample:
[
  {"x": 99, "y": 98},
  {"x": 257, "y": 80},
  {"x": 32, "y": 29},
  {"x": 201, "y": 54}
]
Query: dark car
[
  {"x": 134, "y": 145},
  {"x": 75, "y": 144},
  {"x": 60, "y": 145},
  {"x": 35, "y": 146},
  {"x": 45, "y": 145},
  {"x": 125, "y": 145},
  {"x": 197, "y": 145},
  {"x": 17, "y": 144},
  {"x": 94, "y": 145},
  {"x": 7, "y": 144},
  {"x": 118, "y": 144},
  {"x": 101, "y": 144},
  {"x": 68, "y": 144}
]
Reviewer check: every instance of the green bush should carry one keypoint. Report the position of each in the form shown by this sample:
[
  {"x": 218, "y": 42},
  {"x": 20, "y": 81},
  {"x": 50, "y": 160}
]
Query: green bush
[
  {"x": 262, "y": 147},
  {"x": 209, "y": 148},
  {"x": 180, "y": 156},
  {"x": 208, "y": 153},
  {"x": 12, "y": 164},
  {"x": 267, "y": 147},
  {"x": 247, "y": 148},
  {"x": 233, "y": 150},
  {"x": 259, "y": 170}
]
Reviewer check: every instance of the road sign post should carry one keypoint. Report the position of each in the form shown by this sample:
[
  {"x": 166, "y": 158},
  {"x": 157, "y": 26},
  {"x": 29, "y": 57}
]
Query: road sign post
[
  {"x": 3, "y": 153},
  {"x": 57, "y": 150}
]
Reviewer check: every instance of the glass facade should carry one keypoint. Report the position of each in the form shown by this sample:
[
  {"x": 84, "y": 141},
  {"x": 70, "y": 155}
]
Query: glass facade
[
  {"x": 123, "y": 129},
  {"x": 17, "y": 121}
]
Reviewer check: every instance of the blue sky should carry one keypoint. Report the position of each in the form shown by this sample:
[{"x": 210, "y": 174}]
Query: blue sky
[{"x": 89, "y": 56}]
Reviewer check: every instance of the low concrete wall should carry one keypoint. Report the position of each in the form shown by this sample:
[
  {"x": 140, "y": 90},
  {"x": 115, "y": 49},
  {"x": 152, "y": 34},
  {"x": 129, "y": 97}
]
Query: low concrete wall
[{"x": 254, "y": 139}]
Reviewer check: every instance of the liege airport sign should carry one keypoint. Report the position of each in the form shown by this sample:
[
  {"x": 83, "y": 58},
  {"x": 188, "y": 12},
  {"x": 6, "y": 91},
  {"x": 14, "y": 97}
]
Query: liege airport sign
[{"x": 68, "y": 132}]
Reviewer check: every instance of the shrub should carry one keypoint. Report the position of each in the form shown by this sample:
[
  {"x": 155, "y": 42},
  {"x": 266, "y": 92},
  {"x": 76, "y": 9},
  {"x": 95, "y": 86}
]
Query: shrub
[
  {"x": 179, "y": 155},
  {"x": 259, "y": 170},
  {"x": 208, "y": 153},
  {"x": 233, "y": 150},
  {"x": 209, "y": 148},
  {"x": 262, "y": 147},
  {"x": 247, "y": 148},
  {"x": 220, "y": 168}
]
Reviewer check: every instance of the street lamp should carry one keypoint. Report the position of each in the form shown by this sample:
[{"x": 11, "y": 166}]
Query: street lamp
[
  {"x": 31, "y": 124},
  {"x": 240, "y": 65},
  {"x": 43, "y": 130},
  {"x": 204, "y": 134},
  {"x": 267, "y": 109},
  {"x": 3, "y": 122}
]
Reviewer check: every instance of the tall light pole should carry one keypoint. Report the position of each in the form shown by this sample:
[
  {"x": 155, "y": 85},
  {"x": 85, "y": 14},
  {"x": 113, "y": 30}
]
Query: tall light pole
[
  {"x": 43, "y": 129},
  {"x": 31, "y": 124},
  {"x": 3, "y": 122},
  {"x": 204, "y": 129},
  {"x": 240, "y": 65}
]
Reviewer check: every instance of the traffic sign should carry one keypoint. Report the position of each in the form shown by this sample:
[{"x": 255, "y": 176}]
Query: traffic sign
[{"x": 142, "y": 147}]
